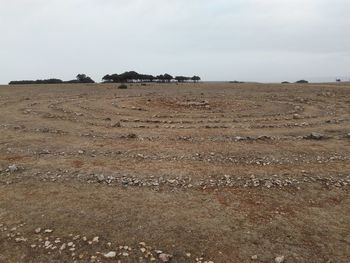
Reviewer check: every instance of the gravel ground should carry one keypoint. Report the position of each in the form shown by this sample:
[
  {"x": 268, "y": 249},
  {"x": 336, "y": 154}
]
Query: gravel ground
[{"x": 207, "y": 172}]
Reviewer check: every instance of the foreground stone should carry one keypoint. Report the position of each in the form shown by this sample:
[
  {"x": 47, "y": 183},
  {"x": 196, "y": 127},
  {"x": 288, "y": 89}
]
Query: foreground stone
[{"x": 111, "y": 254}]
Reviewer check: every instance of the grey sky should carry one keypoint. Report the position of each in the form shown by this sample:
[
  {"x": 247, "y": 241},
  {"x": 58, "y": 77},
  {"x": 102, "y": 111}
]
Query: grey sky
[{"x": 257, "y": 40}]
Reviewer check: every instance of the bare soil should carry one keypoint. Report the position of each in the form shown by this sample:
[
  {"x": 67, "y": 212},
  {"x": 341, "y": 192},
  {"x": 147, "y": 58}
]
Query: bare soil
[{"x": 207, "y": 172}]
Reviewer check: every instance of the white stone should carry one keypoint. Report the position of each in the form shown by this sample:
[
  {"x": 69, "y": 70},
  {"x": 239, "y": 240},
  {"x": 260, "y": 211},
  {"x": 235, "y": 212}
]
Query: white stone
[
  {"x": 63, "y": 247},
  {"x": 165, "y": 257},
  {"x": 13, "y": 168},
  {"x": 111, "y": 254},
  {"x": 279, "y": 259}
]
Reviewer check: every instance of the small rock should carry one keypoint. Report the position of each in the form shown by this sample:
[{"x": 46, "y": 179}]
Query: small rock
[
  {"x": 117, "y": 125},
  {"x": 100, "y": 177},
  {"x": 255, "y": 257},
  {"x": 20, "y": 239},
  {"x": 131, "y": 136},
  {"x": 80, "y": 152},
  {"x": 48, "y": 231},
  {"x": 63, "y": 247},
  {"x": 13, "y": 168},
  {"x": 95, "y": 239},
  {"x": 38, "y": 230},
  {"x": 279, "y": 259},
  {"x": 315, "y": 136},
  {"x": 111, "y": 254},
  {"x": 165, "y": 257}
]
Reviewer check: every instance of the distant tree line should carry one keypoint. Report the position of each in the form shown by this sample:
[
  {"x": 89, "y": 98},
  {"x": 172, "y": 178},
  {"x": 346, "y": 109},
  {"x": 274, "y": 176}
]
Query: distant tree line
[
  {"x": 302, "y": 81},
  {"x": 236, "y": 82},
  {"x": 133, "y": 76},
  {"x": 39, "y": 81},
  {"x": 129, "y": 76},
  {"x": 80, "y": 78}
]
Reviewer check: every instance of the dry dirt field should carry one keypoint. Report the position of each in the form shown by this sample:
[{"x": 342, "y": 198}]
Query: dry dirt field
[{"x": 207, "y": 172}]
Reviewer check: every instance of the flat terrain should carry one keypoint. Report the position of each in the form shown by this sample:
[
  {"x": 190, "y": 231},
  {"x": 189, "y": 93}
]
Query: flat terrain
[{"x": 207, "y": 172}]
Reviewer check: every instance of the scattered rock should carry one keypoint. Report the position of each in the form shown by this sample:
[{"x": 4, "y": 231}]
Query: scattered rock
[
  {"x": 165, "y": 257},
  {"x": 111, "y": 254},
  {"x": 296, "y": 116},
  {"x": 44, "y": 130},
  {"x": 13, "y": 168},
  {"x": 279, "y": 259},
  {"x": 131, "y": 136},
  {"x": 315, "y": 136},
  {"x": 117, "y": 125},
  {"x": 100, "y": 177},
  {"x": 63, "y": 247},
  {"x": 20, "y": 239}
]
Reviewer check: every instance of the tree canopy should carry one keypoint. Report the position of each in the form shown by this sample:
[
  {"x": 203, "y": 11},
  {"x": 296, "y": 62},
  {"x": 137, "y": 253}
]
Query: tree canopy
[
  {"x": 302, "y": 81},
  {"x": 80, "y": 78},
  {"x": 130, "y": 76}
]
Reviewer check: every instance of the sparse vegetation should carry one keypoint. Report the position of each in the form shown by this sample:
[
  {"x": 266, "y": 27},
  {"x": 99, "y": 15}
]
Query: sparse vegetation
[
  {"x": 302, "y": 81},
  {"x": 128, "y": 76},
  {"x": 39, "y": 81},
  {"x": 122, "y": 86},
  {"x": 91, "y": 173},
  {"x": 133, "y": 76},
  {"x": 80, "y": 78},
  {"x": 236, "y": 82}
]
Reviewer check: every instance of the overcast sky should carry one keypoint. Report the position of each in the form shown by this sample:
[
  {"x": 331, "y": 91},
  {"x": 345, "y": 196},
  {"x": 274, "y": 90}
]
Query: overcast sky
[{"x": 256, "y": 40}]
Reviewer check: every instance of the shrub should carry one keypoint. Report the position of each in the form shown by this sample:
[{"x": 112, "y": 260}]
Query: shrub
[
  {"x": 302, "y": 81},
  {"x": 236, "y": 82},
  {"x": 122, "y": 86}
]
